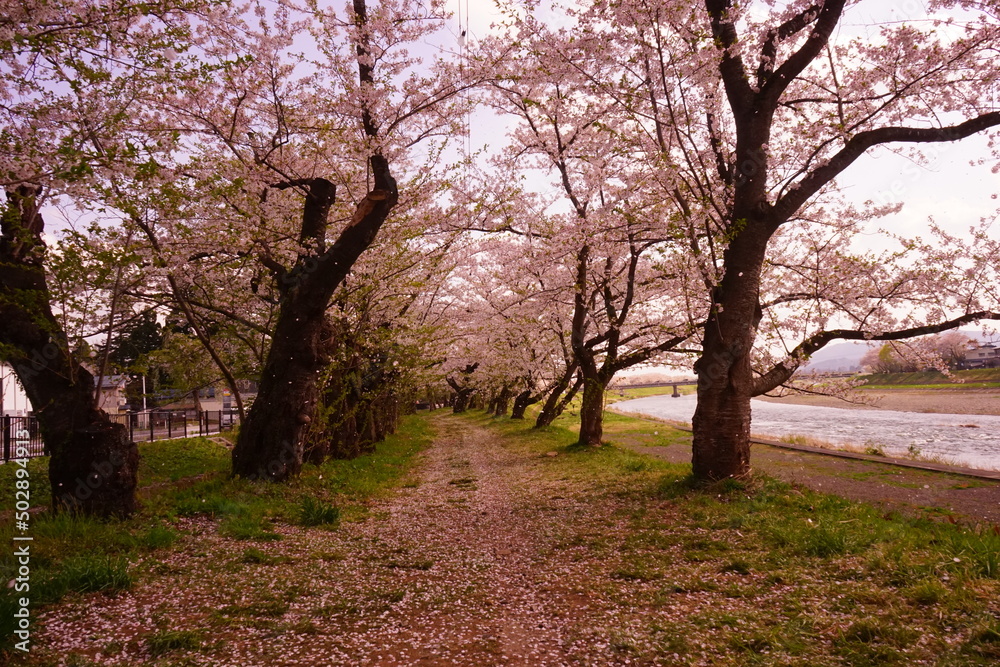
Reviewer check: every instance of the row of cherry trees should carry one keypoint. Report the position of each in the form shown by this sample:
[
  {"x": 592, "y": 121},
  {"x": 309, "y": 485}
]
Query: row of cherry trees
[
  {"x": 212, "y": 142},
  {"x": 278, "y": 177},
  {"x": 702, "y": 146}
]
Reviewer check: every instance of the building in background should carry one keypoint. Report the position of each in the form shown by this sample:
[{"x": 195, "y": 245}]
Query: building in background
[
  {"x": 986, "y": 355},
  {"x": 13, "y": 402},
  {"x": 112, "y": 397}
]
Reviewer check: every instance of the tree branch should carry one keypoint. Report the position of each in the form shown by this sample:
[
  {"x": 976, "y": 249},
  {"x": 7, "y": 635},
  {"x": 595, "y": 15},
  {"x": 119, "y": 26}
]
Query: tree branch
[
  {"x": 734, "y": 74},
  {"x": 784, "y": 370},
  {"x": 827, "y": 20},
  {"x": 769, "y": 51},
  {"x": 796, "y": 196}
]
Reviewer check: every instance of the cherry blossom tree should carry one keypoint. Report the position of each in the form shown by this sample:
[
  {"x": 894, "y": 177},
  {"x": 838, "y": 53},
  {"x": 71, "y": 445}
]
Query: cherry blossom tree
[
  {"x": 74, "y": 78},
  {"x": 817, "y": 101},
  {"x": 753, "y": 112},
  {"x": 513, "y": 326},
  {"x": 626, "y": 270},
  {"x": 313, "y": 133},
  {"x": 378, "y": 336}
]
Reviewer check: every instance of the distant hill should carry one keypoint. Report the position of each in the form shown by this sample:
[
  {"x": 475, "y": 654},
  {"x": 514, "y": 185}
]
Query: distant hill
[{"x": 845, "y": 356}]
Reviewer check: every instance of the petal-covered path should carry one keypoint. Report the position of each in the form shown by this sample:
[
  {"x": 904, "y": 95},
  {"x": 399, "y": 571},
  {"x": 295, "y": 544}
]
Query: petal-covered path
[
  {"x": 466, "y": 566},
  {"x": 497, "y": 551}
]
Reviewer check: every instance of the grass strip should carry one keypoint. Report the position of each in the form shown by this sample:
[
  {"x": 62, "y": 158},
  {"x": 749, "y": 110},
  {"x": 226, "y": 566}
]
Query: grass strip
[
  {"x": 764, "y": 572},
  {"x": 185, "y": 478}
]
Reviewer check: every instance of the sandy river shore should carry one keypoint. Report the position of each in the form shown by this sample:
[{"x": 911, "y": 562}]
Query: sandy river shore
[{"x": 950, "y": 401}]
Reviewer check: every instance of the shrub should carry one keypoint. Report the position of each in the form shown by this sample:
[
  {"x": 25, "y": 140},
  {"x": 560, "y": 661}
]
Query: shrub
[{"x": 314, "y": 512}]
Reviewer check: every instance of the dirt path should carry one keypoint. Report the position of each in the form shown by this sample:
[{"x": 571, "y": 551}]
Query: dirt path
[
  {"x": 461, "y": 567},
  {"x": 469, "y": 541},
  {"x": 945, "y": 400}
]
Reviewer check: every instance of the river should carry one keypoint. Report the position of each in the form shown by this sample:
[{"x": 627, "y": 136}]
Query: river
[{"x": 969, "y": 440}]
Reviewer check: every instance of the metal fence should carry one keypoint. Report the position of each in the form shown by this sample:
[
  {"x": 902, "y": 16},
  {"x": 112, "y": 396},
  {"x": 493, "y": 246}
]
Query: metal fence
[
  {"x": 164, "y": 424},
  {"x": 21, "y": 438}
]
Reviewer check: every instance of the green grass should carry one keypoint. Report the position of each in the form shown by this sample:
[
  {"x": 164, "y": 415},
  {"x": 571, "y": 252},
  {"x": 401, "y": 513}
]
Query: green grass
[
  {"x": 313, "y": 512},
  {"x": 978, "y": 378},
  {"x": 171, "y": 460},
  {"x": 87, "y": 573},
  {"x": 784, "y": 575},
  {"x": 159, "y": 462},
  {"x": 250, "y": 526},
  {"x": 77, "y": 555},
  {"x": 254, "y": 556},
  {"x": 38, "y": 477},
  {"x": 172, "y": 640}
]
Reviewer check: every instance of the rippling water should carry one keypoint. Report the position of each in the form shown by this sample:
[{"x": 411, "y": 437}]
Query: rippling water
[{"x": 971, "y": 440}]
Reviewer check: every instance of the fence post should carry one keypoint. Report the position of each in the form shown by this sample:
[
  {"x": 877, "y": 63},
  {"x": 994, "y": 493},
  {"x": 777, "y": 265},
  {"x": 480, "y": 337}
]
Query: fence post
[
  {"x": 170, "y": 423},
  {"x": 6, "y": 438},
  {"x": 149, "y": 418},
  {"x": 185, "y": 424}
]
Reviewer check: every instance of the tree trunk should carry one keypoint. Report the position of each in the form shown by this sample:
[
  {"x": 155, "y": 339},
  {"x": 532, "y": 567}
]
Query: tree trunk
[
  {"x": 393, "y": 413},
  {"x": 521, "y": 403},
  {"x": 550, "y": 410},
  {"x": 555, "y": 405},
  {"x": 502, "y": 403},
  {"x": 92, "y": 469},
  {"x": 97, "y": 473},
  {"x": 464, "y": 393},
  {"x": 271, "y": 441},
  {"x": 345, "y": 439},
  {"x": 721, "y": 423},
  {"x": 462, "y": 400},
  {"x": 592, "y": 412}
]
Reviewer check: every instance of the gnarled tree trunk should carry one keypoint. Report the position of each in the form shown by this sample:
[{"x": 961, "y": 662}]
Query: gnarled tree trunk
[
  {"x": 721, "y": 422},
  {"x": 271, "y": 442},
  {"x": 462, "y": 399},
  {"x": 502, "y": 402},
  {"x": 521, "y": 404},
  {"x": 557, "y": 402},
  {"x": 93, "y": 464},
  {"x": 592, "y": 412}
]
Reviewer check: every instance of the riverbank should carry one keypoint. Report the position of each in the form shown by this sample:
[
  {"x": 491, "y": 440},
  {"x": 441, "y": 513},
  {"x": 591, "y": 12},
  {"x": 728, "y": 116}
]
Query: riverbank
[{"x": 942, "y": 401}]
